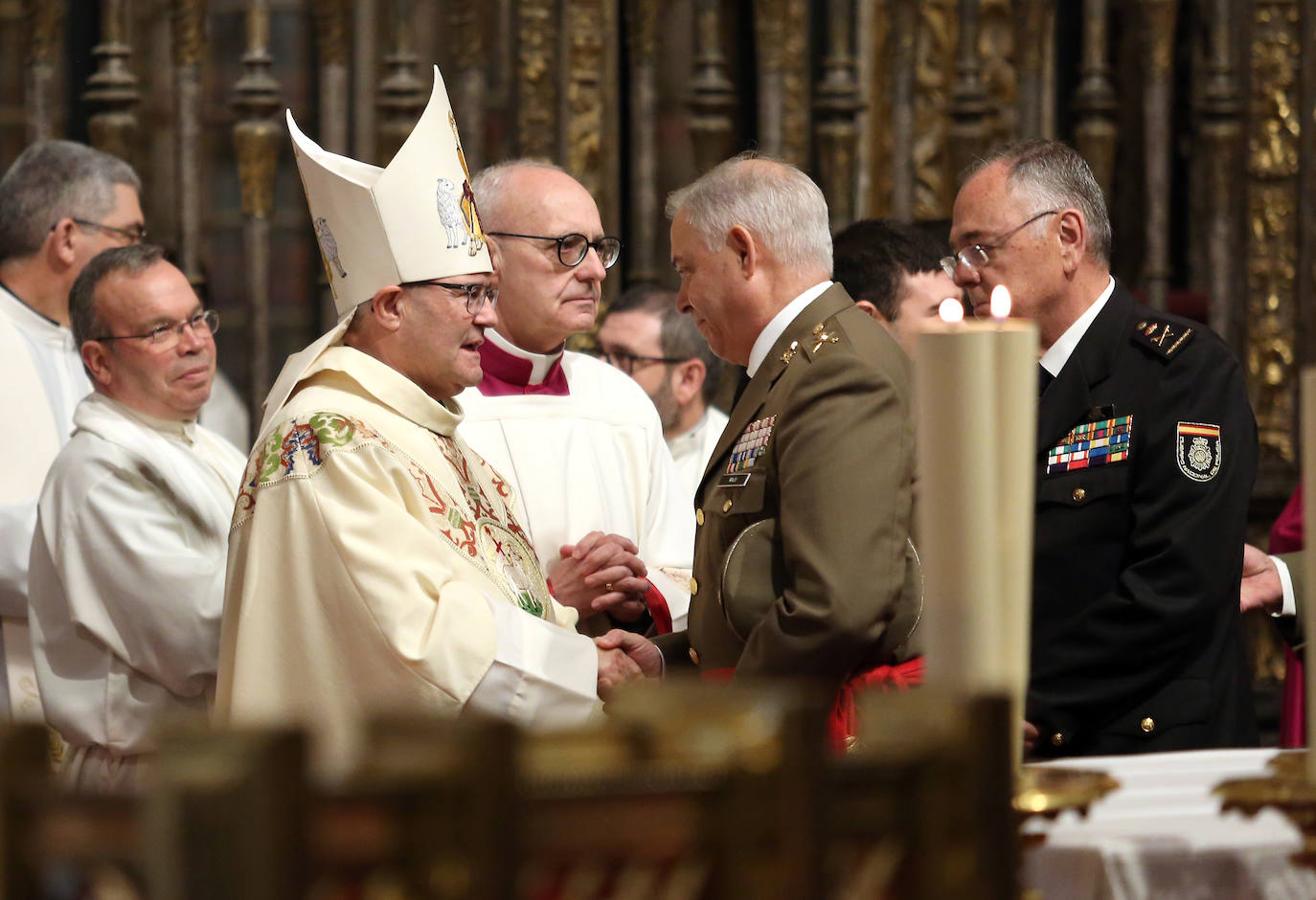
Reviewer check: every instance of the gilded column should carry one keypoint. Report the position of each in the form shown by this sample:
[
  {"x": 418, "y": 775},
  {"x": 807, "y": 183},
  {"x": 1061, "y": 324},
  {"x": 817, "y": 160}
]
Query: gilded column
[
  {"x": 256, "y": 138},
  {"x": 44, "y": 21},
  {"x": 537, "y": 61},
  {"x": 872, "y": 158},
  {"x": 712, "y": 94},
  {"x": 1274, "y": 132},
  {"x": 642, "y": 38},
  {"x": 365, "y": 15},
  {"x": 781, "y": 30},
  {"x": 189, "y": 44},
  {"x": 970, "y": 110},
  {"x": 1032, "y": 19},
  {"x": 1158, "y": 116},
  {"x": 1222, "y": 132},
  {"x": 402, "y": 94},
  {"x": 1094, "y": 100},
  {"x": 112, "y": 89},
  {"x": 332, "y": 19},
  {"x": 588, "y": 29},
  {"x": 837, "y": 105},
  {"x": 469, "y": 86}
]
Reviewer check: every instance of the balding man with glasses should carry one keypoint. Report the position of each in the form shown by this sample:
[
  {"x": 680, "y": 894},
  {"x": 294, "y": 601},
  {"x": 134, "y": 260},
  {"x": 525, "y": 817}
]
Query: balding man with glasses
[
  {"x": 127, "y": 566},
  {"x": 1146, "y": 454},
  {"x": 580, "y": 441}
]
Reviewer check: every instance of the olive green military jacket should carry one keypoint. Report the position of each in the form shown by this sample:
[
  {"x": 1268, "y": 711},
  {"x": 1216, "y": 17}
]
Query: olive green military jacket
[{"x": 801, "y": 565}]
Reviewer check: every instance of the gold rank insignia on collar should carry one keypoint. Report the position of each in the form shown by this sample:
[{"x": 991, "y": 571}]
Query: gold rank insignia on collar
[
  {"x": 822, "y": 337},
  {"x": 790, "y": 352},
  {"x": 1164, "y": 339}
]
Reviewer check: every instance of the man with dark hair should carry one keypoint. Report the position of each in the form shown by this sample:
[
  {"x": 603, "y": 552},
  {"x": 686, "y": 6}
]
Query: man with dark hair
[
  {"x": 127, "y": 565},
  {"x": 893, "y": 271},
  {"x": 644, "y": 336},
  {"x": 1146, "y": 454},
  {"x": 61, "y": 203}
]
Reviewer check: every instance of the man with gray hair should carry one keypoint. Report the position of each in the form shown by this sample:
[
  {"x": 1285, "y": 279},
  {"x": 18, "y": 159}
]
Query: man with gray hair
[
  {"x": 61, "y": 203},
  {"x": 1146, "y": 454},
  {"x": 644, "y": 336},
  {"x": 579, "y": 441},
  {"x": 801, "y": 565},
  {"x": 127, "y": 566}
]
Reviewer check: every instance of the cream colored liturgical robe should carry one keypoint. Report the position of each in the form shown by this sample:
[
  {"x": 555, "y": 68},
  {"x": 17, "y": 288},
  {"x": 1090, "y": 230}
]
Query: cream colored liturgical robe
[
  {"x": 127, "y": 583},
  {"x": 376, "y": 565}
]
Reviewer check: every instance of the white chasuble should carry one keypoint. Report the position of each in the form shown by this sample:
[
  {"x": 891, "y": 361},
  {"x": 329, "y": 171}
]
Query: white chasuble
[{"x": 376, "y": 565}]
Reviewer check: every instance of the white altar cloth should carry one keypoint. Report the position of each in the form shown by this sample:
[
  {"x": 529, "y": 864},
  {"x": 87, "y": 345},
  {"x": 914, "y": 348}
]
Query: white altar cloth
[{"x": 1162, "y": 836}]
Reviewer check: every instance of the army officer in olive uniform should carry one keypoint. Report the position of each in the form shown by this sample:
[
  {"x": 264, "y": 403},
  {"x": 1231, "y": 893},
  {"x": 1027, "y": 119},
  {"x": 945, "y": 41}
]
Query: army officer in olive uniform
[
  {"x": 1146, "y": 454},
  {"x": 800, "y": 563}
]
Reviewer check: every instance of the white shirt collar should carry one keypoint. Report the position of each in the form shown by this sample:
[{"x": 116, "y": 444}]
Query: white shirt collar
[
  {"x": 1054, "y": 359},
  {"x": 179, "y": 429},
  {"x": 27, "y": 318},
  {"x": 540, "y": 362},
  {"x": 688, "y": 441},
  {"x": 780, "y": 322}
]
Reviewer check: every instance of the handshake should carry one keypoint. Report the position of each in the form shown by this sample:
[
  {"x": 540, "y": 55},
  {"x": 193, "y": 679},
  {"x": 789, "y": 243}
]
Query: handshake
[{"x": 625, "y": 656}]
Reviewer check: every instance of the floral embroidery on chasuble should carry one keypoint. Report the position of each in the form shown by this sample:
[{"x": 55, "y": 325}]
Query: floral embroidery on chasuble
[{"x": 468, "y": 505}]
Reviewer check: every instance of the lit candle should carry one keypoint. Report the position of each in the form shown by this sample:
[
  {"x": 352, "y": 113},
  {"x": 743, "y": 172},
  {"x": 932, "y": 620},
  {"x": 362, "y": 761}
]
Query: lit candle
[
  {"x": 1308, "y": 611},
  {"x": 976, "y": 417}
]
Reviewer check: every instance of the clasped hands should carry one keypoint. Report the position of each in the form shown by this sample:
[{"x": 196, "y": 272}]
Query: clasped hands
[{"x": 601, "y": 573}]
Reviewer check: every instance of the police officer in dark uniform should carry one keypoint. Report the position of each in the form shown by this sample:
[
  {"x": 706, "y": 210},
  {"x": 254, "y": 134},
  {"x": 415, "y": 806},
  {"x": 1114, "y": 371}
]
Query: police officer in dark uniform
[{"x": 1146, "y": 455}]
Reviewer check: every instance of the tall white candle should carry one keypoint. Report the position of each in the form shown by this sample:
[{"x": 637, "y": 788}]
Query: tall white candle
[
  {"x": 1308, "y": 611},
  {"x": 976, "y": 416}
]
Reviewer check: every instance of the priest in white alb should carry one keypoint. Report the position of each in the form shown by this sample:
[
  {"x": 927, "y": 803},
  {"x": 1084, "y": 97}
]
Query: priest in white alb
[
  {"x": 376, "y": 563},
  {"x": 126, "y": 580},
  {"x": 580, "y": 441}
]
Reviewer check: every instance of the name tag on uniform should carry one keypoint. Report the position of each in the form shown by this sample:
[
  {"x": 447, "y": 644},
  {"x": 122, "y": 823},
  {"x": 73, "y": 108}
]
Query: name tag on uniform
[
  {"x": 736, "y": 479},
  {"x": 1092, "y": 444}
]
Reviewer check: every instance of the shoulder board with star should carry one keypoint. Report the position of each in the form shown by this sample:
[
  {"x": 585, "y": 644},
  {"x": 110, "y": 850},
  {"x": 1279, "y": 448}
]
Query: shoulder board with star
[{"x": 1163, "y": 339}]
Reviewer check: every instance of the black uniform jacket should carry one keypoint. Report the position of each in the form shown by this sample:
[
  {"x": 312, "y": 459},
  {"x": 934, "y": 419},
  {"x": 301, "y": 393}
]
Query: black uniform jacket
[
  {"x": 801, "y": 565},
  {"x": 1136, "y": 629}
]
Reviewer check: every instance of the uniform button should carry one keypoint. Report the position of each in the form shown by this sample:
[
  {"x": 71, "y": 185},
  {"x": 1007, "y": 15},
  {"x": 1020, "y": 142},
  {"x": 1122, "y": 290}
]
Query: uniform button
[
  {"x": 726, "y": 506},
  {"x": 699, "y": 516},
  {"x": 694, "y": 656},
  {"x": 1079, "y": 495},
  {"x": 1148, "y": 725},
  {"x": 1058, "y": 739},
  {"x": 694, "y": 587}
]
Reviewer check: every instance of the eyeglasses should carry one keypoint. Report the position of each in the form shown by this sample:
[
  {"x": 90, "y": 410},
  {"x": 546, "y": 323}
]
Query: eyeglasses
[
  {"x": 133, "y": 235},
  {"x": 476, "y": 293},
  {"x": 572, "y": 248},
  {"x": 629, "y": 362},
  {"x": 974, "y": 256},
  {"x": 163, "y": 337}
]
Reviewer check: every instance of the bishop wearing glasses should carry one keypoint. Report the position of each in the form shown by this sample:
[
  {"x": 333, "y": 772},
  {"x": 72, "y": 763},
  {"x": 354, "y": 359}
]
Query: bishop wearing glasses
[
  {"x": 580, "y": 442},
  {"x": 376, "y": 562}
]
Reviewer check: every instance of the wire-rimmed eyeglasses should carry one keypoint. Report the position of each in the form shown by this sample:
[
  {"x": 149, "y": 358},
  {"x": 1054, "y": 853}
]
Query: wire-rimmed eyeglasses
[
  {"x": 476, "y": 293},
  {"x": 163, "y": 337},
  {"x": 134, "y": 234},
  {"x": 975, "y": 256}
]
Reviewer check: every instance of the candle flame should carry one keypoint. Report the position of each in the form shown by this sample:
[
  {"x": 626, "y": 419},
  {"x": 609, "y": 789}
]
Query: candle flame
[
  {"x": 951, "y": 310},
  {"x": 1000, "y": 302}
]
